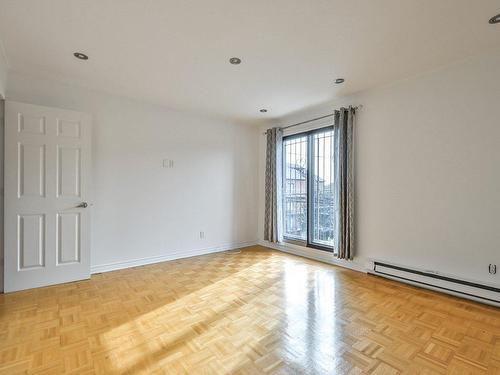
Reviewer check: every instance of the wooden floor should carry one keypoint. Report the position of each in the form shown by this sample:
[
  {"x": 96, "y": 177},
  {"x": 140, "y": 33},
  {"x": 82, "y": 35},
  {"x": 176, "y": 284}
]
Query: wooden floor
[{"x": 254, "y": 312}]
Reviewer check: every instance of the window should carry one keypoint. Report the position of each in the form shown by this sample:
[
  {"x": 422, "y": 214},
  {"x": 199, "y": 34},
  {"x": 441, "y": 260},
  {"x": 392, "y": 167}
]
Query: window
[
  {"x": 295, "y": 192},
  {"x": 308, "y": 204}
]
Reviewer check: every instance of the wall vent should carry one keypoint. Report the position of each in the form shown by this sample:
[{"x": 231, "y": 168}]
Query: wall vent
[{"x": 434, "y": 280}]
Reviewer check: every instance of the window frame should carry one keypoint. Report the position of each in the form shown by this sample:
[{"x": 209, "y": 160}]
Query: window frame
[{"x": 309, "y": 188}]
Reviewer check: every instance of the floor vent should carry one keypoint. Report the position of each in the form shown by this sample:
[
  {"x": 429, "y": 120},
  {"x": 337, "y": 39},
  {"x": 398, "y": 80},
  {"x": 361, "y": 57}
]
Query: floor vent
[{"x": 467, "y": 289}]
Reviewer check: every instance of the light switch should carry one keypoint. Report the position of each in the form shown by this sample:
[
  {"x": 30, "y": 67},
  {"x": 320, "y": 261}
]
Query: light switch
[{"x": 168, "y": 163}]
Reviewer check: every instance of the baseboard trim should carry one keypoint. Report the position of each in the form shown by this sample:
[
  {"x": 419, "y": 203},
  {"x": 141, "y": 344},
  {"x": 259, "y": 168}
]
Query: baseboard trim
[
  {"x": 319, "y": 255},
  {"x": 99, "y": 268}
]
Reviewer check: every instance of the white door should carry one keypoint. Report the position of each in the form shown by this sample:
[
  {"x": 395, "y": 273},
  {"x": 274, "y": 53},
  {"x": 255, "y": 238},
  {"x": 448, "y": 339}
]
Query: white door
[{"x": 47, "y": 222}]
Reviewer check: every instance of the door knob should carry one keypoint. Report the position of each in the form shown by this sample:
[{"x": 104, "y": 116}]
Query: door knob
[{"x": 82, "y": 205}]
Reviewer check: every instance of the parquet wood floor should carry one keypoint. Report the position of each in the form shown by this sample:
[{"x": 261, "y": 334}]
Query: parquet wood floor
[{"x": 254, "y": 312}]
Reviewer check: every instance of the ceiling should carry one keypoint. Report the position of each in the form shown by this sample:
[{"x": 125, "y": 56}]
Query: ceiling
[{"x": 175, "y": 52}]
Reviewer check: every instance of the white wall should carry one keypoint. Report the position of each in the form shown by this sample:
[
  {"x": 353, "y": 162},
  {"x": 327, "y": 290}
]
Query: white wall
[
  {"x": 428, "y": 170},
  {"x": 142, "y": 210}
]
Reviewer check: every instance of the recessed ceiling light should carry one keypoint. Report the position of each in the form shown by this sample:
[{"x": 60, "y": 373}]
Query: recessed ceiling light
[
  {"x": 81, "y": 56},
  {"x": 235, "y": 60},
  {"x": 495, "y": 19},
  {"x": 339, "y": 80},
  {"x": 263, "y": 110}
]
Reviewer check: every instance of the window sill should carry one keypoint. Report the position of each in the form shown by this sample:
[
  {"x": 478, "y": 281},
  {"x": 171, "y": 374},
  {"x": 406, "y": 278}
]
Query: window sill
[{"x": 304, "y": 244}]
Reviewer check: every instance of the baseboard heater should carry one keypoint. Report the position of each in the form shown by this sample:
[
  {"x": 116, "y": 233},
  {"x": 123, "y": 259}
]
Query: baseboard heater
[{"x": 467, "y": 289}]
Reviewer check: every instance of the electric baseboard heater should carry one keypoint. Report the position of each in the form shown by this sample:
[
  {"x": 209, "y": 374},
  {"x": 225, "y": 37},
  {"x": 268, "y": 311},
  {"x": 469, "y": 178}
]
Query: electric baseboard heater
[{"x": 467, "y": 289}]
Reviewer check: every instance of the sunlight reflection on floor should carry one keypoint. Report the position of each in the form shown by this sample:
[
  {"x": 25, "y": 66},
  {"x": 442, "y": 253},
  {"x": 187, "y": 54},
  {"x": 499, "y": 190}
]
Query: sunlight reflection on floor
[{"x": 183, "y": 328}]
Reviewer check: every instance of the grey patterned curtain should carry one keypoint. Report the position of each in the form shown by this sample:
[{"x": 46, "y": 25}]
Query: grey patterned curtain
[
  {"x": 343, "y": 151},
  {"x": 273, "y": 218}
]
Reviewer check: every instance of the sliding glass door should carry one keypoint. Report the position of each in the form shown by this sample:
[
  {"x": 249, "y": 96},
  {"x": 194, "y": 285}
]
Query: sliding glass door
[
  {"x": 308, "y": 200},
  {"x": 321, "y": 197}
]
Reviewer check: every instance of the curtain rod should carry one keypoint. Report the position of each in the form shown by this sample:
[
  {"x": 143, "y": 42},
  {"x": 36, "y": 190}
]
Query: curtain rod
[{"x": 314, "y": 119}]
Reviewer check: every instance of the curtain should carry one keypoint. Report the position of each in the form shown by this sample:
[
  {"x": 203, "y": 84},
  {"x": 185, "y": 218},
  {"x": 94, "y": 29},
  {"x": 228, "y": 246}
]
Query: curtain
[
  {"x": 273, "y": 216},
  {"x": 343, "y": 151}
]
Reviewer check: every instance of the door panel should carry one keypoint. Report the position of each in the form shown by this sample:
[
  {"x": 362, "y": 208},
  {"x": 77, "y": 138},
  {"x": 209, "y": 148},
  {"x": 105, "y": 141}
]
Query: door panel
[
  {"x": 68, "y": 238},
  {"x": 31, "y": 241},
  {"x": 68, "y": 172},
  {"x": 31, "y": 166},
  {"x": 68, "y": 128},
  {"x": 30, "y": 124},
  {"x": 47, "y": 166}
]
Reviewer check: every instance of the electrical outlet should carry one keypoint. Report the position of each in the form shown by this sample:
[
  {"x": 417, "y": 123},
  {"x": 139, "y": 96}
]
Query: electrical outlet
[
  {"x": 202, "y": 235},
  {"x": 492, "y": 269}
]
